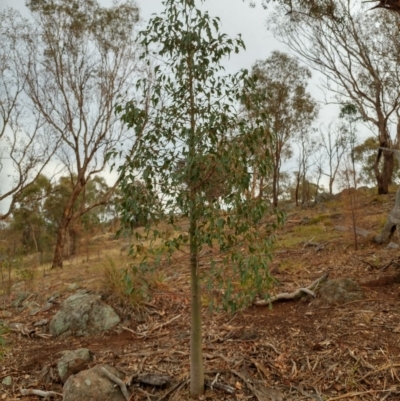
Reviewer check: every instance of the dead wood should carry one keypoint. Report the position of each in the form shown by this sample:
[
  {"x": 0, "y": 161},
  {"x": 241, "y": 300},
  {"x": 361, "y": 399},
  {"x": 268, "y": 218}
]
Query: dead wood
[
  {"x": 40, "y": 393},
  {"x": 158, "y": 326},
  {"x": 224, "y": 387},
  {"x": 306, "y": 394},
  {"x": 286, "y": 296},
  {"x": 357, "y": 393},
  {"x": 151, "y": 379},
  {"x": 170, "y": 391},
  {"x": 257, "y": 388},
  {"x": 27, "y": 331},
  {"x": 117, "y": 381},
  {"x": 318, "y": 247}
]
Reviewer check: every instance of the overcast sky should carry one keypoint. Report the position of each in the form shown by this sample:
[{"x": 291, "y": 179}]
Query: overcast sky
[{"x": 236, "y": 18}]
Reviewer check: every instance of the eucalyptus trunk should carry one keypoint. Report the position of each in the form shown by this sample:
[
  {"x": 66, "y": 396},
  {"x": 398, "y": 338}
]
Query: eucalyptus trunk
[
  {"x": 196, "y": 353},
  {"x": 63, "y": 227}
]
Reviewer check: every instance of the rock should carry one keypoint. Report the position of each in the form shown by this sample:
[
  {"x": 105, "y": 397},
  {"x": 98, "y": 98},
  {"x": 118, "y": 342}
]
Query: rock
[
  {"x": 18, "y": 286},
  {"x": 41, "y": 322},
  {"x": 21, "y": 296},
  {"x": 7, "y": 381},
  {"x": 324, "y": 197},
  {"x": 392, "y": 245},
  {"x": 54, "y": 297},
  {"x": 93, "y": 385},
  {"x": 73, "y": 362},
  {"x": 83, "y": 314},
  {"x": 341, "y": 291}
]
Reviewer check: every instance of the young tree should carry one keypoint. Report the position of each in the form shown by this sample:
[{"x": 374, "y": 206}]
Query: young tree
[
  {"x": 281, "y": 84},
  {"x": 358, "y": 54},
  {"x": 197, "y": 125},
  {"x": 82, "y": 57}
]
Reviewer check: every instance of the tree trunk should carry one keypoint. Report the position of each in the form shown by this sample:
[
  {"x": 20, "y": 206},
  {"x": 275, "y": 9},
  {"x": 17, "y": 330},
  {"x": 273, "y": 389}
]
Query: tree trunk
[
  {"x": 59, "y": 249},
  {"x": 275, "y": 187},
  {"x": 196, "y": 350},
  {"x": 384, "y": 177},
  {"x": 63, "y": 227},
  {"x": 296, "y": 192},
  {"x": 391, "y": 224},
  {"x": 196, "y": 353}
]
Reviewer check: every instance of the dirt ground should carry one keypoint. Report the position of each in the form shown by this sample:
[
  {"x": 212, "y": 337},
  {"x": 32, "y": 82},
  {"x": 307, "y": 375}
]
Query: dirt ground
[{"x": 296, "y": 350}]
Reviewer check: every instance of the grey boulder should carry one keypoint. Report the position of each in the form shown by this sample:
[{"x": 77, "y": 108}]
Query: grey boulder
[
  {"x": 340, "y": 291},
  {"x": 82, "y": 315},
  {"x": 93, "y": 385},
  {"x": 73, "y": 362}
]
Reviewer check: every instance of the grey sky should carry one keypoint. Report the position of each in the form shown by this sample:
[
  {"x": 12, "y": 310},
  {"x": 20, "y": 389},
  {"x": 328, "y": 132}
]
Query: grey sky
[{"x": 236, "y": 18}]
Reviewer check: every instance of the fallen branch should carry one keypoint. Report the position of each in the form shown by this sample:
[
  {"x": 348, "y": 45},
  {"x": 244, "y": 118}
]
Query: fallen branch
[
  {"x": 40, "y": 393},
  {"x": 257, "y": 388},
  {"x": 150, "y": 379},
  {"x": 220, "y": 386},
  {"x": 293, "y": 295},
  {"x": 117, "y": 381},
  {"x": 158, "y": 326},
  {"x": 357, "y": 393},
  {"x": 171, "y": 390},
  {"x": 27, "y": 331}
]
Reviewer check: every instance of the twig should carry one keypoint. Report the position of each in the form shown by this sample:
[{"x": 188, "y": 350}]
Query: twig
[
  {"x": 159, "y": 326},
  {"x": 133, "y": 332},
  {"x": 165, "y": 396},
  {"x": 214, "y": 381},
  {"x": 40, "y": 393},
  {"x": 220, "y": 386},
  {"x": 394, "y": 365},
  {"x": 117, "y": 381},
  {"x": 356, "y": 393}
]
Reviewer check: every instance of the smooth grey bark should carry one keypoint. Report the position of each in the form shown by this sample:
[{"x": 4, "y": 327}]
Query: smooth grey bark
[{"x": 391, "y": 224}]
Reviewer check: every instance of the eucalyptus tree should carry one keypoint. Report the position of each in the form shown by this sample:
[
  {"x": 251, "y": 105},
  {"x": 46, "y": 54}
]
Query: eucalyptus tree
[
  {"x": 307, "y": 145},
  {"x": 29, "y": 218},
  {"x": 83, "y": 57},
  {"x": 281, "y": 93},
  {"x": 25, "y": 144},
  {"x": 358, "y": 55},
  {"x": 189, "y": 132},
  {"x": 334, "y": 147}
]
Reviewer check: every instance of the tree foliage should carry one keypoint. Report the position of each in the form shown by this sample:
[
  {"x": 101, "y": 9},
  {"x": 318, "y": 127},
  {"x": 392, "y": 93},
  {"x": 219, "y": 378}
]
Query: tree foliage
[{"x": 280, "y": 93}]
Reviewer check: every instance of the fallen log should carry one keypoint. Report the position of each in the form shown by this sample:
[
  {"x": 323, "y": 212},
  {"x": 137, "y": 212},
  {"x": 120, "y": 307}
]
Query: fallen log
[{"x": 287, "y": 296}]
